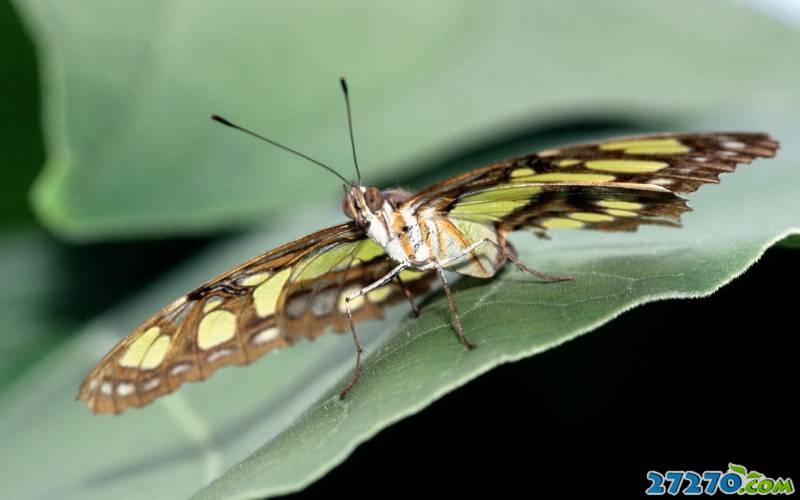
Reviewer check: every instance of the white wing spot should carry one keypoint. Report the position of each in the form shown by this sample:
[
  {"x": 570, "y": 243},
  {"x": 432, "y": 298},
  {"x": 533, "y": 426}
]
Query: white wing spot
[
  {"x": 179, "y": 368},
  {"x": 265, "y": 336},
  {"x": 124, "y": 389},
  {"x": 548, "y": 152},
  {"x": 733, "y": 145},
  {"x": 661, "y": 181},
  {"x": 151, "y": 384},
  {"x": 219, "y": 354},
  {"x": 105, "y": 388}
]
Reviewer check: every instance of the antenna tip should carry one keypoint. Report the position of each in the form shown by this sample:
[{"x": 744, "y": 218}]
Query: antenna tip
[
  {"x": 343, "y": 81},
  {"x": 222, "y": 120}
]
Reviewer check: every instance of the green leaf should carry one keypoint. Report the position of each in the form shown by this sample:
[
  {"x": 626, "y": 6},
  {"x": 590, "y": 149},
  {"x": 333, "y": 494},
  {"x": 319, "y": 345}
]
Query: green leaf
[
  {"x": 278, "y": 425},
  {"x": 738, "y": 469},
  {"x": 754, "y": 474},
  {"x": 791, "y": 242},
  {"x": 31, "y": 294},
  {"x": 20, "y": 142},
  {"x": 129, "y": 87}
]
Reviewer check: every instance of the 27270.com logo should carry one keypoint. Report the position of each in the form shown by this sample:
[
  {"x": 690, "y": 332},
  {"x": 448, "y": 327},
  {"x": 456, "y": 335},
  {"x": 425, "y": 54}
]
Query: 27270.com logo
[{"x": 737, "y": 480}]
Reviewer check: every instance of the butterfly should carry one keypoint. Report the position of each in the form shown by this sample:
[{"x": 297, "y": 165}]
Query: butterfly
[{"x": 397, "y": 244}]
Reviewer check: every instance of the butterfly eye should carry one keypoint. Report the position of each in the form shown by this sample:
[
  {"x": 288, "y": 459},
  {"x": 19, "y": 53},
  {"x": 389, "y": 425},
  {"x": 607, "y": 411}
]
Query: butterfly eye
[{"x": 373, "y": 198}]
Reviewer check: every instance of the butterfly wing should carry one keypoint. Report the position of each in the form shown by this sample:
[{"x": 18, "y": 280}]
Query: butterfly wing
[
  {"x": 290, "y": 293},
  {"x": 613, "y": 185}
]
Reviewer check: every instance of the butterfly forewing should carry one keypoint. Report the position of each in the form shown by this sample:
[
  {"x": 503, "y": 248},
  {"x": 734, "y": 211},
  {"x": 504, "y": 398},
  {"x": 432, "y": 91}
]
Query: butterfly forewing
[
  {"x": 291, "y": 293},
  {"x": 613, "y": 185}
]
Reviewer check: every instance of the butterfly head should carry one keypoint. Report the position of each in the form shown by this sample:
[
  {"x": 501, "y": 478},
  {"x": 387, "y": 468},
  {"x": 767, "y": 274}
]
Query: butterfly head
[{"x": 362, "y": 203}]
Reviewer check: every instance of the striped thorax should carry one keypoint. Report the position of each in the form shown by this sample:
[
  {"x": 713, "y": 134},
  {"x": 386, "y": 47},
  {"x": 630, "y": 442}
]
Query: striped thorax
[{"x": 423, "y": 237}]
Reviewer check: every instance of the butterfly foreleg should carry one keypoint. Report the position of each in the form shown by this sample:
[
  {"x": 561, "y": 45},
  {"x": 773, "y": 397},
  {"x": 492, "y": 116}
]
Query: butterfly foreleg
[{"x": 359, "y": 350}]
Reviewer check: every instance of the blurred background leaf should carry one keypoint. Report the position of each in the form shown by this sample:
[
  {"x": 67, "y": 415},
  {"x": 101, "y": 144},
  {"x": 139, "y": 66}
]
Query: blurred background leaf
[
  {"x": 129, "y": 87},
  {"x": 27, "y": 294},
  {"x": 50, "y": 289},
  {"x": 20, "y": 141}
]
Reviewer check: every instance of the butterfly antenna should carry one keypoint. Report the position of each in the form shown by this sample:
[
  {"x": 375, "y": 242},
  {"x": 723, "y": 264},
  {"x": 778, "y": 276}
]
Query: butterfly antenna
[
  {"x": 229, "y": 123},
  {"x": 350, "y": 126}
]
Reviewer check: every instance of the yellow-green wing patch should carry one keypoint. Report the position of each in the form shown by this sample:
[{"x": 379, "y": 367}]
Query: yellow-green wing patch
[
  {"x": 243, "y": 314},
  {"x": 605, "y": 208},
  {"x": 611, "y": 185},
  {"x": 680, "y": 163}
]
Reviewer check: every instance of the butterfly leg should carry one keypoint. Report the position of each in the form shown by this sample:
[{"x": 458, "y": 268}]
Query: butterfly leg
[
  {"x": 359, "y": 350},
  {"x": 511, "y": 254},
  {"x": 409, "y": 296},
  {"x": 453, "y": 311}
]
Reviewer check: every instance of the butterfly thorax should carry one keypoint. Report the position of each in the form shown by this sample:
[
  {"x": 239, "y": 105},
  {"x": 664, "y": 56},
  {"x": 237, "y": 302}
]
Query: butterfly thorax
[{"x": 422, "y": 237}]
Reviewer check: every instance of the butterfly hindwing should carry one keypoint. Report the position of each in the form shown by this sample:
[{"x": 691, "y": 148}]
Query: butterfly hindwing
[
  {"x": 293, "y": 292},
  {"x": 613, "y": 185},
  {"x": 314, "y": 297}
]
